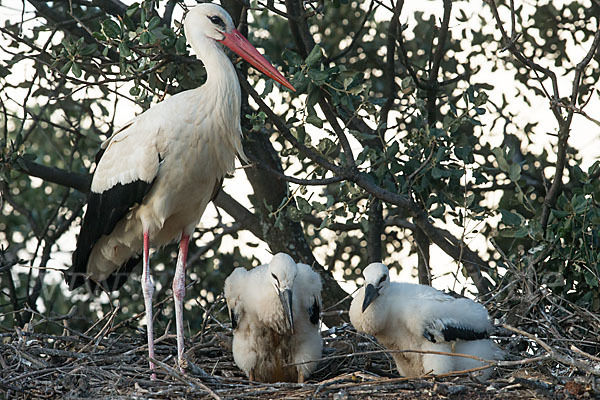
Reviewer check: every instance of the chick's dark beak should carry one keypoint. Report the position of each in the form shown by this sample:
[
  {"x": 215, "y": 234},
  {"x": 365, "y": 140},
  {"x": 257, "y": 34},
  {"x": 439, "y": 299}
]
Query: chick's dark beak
[
  {"x": 285, "y": 296},
  {"x": 370, "y": 294}
]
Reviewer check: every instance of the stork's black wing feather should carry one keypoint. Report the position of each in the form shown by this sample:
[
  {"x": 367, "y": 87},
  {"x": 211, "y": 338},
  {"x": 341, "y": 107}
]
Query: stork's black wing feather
[
  {"x": 454, "y": 331},
  {"x": 104, "y": 211},
  {"x": 462, "y": 333},
  {"x": 314, "y": 312},
  {"x": 216, "y": 189},
  {"x": 234, "y": 319}
]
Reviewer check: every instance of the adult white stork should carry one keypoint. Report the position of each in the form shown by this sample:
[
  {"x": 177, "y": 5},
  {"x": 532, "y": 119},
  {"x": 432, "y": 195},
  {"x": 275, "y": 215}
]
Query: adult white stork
[
  {"x": 274, "y": 311},
  {"x": 406, "y": 316},
  {"x": 157, "y": 174}
]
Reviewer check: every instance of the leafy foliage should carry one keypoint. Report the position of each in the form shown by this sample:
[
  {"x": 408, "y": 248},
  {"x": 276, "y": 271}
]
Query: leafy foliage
[{"x": 369, "y": 152}]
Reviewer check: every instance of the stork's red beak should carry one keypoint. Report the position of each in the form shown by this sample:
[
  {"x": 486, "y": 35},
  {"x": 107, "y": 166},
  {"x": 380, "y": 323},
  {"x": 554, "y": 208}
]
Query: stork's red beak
[{"x": 241, "y": 46}]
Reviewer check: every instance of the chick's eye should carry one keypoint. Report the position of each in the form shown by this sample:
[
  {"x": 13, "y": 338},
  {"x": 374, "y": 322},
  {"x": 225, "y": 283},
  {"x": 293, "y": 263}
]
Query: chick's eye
[
  {"x": 215, "y": 19},
  {"x": 383, "y": 278},
  {"x": 275, "y": 277}
]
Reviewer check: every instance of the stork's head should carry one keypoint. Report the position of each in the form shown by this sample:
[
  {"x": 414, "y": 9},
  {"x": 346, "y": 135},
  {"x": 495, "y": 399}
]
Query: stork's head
[
  {"x": 213, "y": 22},
  {"x": 283, "y": 272},
  {"x": 377, "y": 279}
]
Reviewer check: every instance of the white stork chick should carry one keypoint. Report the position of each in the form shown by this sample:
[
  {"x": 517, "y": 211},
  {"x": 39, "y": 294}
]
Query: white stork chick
[
  {"x": 274, "y": 311},
  {"x": 406, "y": 316},
  {"x": 156, "y": 175}
]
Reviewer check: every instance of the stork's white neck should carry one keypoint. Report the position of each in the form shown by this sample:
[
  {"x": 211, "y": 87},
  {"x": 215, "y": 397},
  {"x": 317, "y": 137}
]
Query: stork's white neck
[
  {"x": 222, "y": 89},
  {"x": 220, "y": 72}
]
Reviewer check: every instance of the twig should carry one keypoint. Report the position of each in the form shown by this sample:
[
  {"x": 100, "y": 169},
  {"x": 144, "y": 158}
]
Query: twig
[{"x": 194, "y": 385}]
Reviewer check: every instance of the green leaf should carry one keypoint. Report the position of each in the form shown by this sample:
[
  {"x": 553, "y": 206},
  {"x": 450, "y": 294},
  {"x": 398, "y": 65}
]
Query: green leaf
[
  {"x": 393, "y": 150},
  {"x": 124, "y": 50},
  {"x": 559, "y": 214},
  {"x": 4, "y": 72},
  {"x": 76, "y": 69},
  {"x": 314, "y": 57},
  {"x": 591, "y": 279},
  {"x": 145, "y": 37},
  {"x": 111, "y": 29},
  {"x": 154, "y": 22},
  {"x": 326, "y": 146},
  {"x": 436, "y": 173},
  {"x": 132, "y": 9},
  {"x": 314, "y": 120},
  {"x": 303, "y": 205},
  {"x": 319, "y": 77},
  {"x": 325, "y": 223},
  {"x": 347, "y": 81},
  {"x": 180, "y": 45},
  {"x": 514, "y": 232},
  {"x": 99, "y": 36},
  {"x": 362, "y": 135},
  {"x": 294, "y": 214},
  {"x": 464, "y": 153},
  {"x": 514, "y": 172},
  {"x": 313, "y": 95},
  {"x": 356, "y": 89},
  {"x": 66, "y": 68},
  {"x": 437, "y": 212},
  {"x": 134, "y": 91},
  {"x": 511, "y": 219},
  {"x": 469, "y": 199},
  {"x": 89, "y": 49},
  {"x": 407, "y": 85},
  {"x": 502, "y": 164}
]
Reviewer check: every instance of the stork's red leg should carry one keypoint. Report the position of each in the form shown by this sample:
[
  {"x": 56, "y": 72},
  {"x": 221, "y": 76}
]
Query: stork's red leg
[
  {"x": 179, "y": 294},
  {"x": 148, "y": 291}
]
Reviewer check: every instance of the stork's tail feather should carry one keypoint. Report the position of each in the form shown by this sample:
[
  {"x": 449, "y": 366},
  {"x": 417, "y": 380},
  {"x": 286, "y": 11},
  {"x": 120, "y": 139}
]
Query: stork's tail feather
[
  {"x": 76, "y": 276},
  {"x": 119, "y": 277},
  {"x": 73, "y": 278},
  {"x": 104, "y": 211}
]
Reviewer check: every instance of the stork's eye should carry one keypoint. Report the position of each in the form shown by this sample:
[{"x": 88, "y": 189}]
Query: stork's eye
[
  {"x": 215, "y": 19},
  {"x": 275, "y": 277},
  {"x": 383, "y": 278}
]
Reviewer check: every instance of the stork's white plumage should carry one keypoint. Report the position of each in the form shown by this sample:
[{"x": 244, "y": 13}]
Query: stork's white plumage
[
  {"x": 405, "y": 316},
  {"x": 157, "y": 174},
  {"x": 274, "y": 311}
]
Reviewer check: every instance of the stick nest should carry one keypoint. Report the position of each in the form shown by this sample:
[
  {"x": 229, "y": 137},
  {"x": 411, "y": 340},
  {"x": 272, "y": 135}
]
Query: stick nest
[{"x": 552, "y": 351}]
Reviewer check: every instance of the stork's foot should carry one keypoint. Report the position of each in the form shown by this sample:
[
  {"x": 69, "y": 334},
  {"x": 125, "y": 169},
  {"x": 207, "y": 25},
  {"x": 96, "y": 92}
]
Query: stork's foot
[
  {"x": 251, "y": 375},
  {"x": 301, "y": 377},
  {"x": 182, "y": 365}
]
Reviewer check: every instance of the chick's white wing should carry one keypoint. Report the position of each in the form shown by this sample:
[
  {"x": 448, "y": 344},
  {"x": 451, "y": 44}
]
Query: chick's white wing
[
  {"x": 235, "y": 285},
  {"x": 308, "y": 286},
  {"x": 456, "y": 319}
]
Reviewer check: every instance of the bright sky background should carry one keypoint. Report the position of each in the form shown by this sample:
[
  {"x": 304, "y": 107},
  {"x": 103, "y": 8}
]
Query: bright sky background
[{"x": 585, "y": 137}]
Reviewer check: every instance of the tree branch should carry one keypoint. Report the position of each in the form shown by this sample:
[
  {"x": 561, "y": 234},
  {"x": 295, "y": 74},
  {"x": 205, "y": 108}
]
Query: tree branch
[
  {"x": 284, "y": 130},
  {"x": 346, "y": 227},
  {"x": 80, "y": 182},
  {"x": 433, "y": 87},
  {"x": 242, "y": 216},
  {"x": 563, "y": 134},
  {"x": 511, "y": 46},
  {"x": 390, "y": 67},
  {"x": 374, "y": 246},
  {"x": 444, "y": 240},
  {"x": 357, "y": 35},
  {"x": 299, "y": 181}
]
